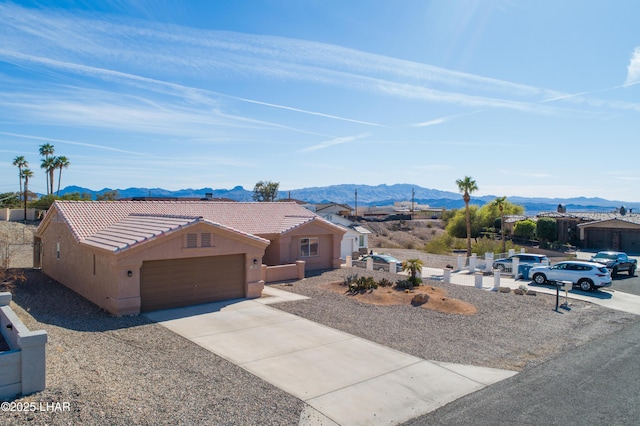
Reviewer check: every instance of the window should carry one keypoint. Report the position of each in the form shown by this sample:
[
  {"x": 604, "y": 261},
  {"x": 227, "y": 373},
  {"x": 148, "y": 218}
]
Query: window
[
  {"x": 192, "y": 240},
  {"x": 205, "y": 239},
  {"x": 57, "y": 250},
  {"x": 361, "y": 240},
  {"x": 308, "y": 247}
]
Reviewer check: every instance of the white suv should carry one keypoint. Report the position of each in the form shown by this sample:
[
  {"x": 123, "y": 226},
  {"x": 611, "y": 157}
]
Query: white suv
[{"x": 587, "y": 275}]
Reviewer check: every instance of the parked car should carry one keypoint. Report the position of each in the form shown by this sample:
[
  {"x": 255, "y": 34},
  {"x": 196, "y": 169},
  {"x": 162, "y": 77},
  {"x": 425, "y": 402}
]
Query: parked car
[
  {"x": 586, "y": 275},
  {"x": 616, "y": 261},
  {"x": 506, "y": 264},
  {"x": 381, "y": 262}
]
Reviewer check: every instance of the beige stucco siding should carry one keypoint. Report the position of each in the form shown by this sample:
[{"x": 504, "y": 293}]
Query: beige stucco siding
[
  {"x": 112, "y": 288},
  {"x": 75, "y": 265}
]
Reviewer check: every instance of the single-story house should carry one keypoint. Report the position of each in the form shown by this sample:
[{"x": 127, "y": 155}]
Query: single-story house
[
  {"x": 620, "y": 233},
  {"x": 133, "y": 256}
]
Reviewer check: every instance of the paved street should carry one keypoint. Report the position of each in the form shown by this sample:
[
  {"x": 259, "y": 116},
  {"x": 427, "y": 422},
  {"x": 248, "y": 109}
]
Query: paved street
[{"x": 595, "y": 384}]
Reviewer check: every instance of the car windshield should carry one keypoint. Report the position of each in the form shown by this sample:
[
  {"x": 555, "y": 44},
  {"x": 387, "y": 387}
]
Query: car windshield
[
  {"x": 608, "y": 256},
  {"x": 389, "y": 259}
]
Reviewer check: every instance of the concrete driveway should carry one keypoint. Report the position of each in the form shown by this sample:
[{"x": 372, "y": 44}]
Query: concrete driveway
[{"x": 343, "y": 379}]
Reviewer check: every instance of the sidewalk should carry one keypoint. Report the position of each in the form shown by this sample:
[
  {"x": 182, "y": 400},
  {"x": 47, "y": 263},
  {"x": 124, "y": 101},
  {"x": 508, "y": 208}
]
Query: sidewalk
[{"x": 605, "y": 297}]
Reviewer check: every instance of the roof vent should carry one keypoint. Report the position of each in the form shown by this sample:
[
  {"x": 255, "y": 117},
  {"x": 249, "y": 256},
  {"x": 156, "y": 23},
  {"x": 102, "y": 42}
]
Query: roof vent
[
  {"x": 562, "y": 208},
  {"x": 623, "y": 210}
]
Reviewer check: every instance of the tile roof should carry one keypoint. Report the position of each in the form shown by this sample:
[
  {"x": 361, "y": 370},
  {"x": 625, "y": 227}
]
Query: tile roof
[
  {"x": 88, "y": 218},
  {"x": 593, "y": 216},
  {"x": 135, "y": 229}
]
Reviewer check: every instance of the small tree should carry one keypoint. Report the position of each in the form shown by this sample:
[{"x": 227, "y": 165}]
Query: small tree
[
  {"x": 108, "y": 195},
  {"x": 413, "y": 266},
  {"x": 525, "y": 229},
  {"x": 265, "y": 191},
  {"x": 547, "y": 229}
]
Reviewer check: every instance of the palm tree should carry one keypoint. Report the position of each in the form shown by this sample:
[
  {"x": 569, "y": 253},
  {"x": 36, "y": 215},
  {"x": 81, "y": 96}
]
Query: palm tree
[
  {"x": 500, "y": 203},
  {"x": 413, "y": 266},
  {"x": 467, "y": 186},
  {"x": 26, "y": 174},
  {"x": 47, "y": 150},
  {"x": 61, "y": 162},
  {"x": 49, "y": 166},
  {"x": 20, "y": 163}
]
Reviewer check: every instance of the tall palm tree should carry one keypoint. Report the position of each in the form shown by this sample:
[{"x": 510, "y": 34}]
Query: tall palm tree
[
  {"x": 21, "y": 163},
  {"x": 26, "y": 174},
  {"x": 500, "y": 203},
  {"x": 61, "y": 162},
  {"x": 49, "y": 166},
  {"x": 47, "y": 150},
  {"x": 467, "y": 186}
]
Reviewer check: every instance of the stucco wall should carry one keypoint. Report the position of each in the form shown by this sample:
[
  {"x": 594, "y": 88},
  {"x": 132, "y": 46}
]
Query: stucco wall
[
  {"x": 112, "y": 288},
  {"x": 75, "y": 265},
  {"x": 329, "y": 247}
]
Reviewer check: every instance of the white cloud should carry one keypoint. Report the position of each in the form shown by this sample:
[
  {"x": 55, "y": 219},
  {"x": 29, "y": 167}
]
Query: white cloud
[
  {"x": 633, "y": 70},
  {"x": 336, "y": 141}
]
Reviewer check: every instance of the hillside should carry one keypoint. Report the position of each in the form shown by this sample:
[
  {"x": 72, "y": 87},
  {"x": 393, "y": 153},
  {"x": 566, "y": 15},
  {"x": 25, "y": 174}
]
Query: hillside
[{"x": 367, "y": 195}]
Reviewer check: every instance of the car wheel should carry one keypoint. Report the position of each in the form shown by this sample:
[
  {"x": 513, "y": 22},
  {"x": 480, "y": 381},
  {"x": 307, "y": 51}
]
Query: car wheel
[
  {"x": 500, "y": 267},
  {"x": 539, "y": 279},
  {"x": 381, "y": 269},
  {"x": 585, "y": 285},
  {"x": 632, "y": 271},
  {"x": 614, "y": 271}
]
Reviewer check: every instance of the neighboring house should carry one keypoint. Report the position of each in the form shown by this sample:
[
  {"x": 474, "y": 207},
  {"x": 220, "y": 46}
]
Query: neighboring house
[
  {"x": 133, "y": 256},
  {"x": 356, "y": 239},
  {"x": 333, "y": 208},
  {"x": 618, "y": 231}
]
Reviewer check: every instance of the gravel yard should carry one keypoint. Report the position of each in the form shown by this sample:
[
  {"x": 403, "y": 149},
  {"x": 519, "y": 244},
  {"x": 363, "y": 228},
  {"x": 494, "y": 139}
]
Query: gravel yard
[
  {"x": 130, "y": 371},
  {"x": 126, "y": 371},
  {"x": 509, "y": 331}
]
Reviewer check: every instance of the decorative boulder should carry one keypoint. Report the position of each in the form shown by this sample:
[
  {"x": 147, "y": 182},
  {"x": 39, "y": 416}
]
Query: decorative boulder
[
  {"x": 531, "y": 293},
  {"x": 420, "y": 299},
  {"x": 504, "y": 290},
  {"x": 519, "y": 291}
]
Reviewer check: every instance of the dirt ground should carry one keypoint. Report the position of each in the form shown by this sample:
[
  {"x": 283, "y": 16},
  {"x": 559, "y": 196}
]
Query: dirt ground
[
  {"x": 387, "y": 296},
  {"x": 405, "y": 234}
]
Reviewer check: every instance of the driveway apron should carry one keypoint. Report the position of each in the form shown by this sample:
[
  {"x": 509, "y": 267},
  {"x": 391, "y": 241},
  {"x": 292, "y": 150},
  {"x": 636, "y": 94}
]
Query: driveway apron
[{"x": 343, "y": 379}]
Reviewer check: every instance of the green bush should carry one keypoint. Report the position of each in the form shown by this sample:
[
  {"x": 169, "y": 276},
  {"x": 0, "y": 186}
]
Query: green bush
[
  {"x": 385, "y": 283},
  {"x": 487, "y": 245},
  {"x": 408, "y": 283}
]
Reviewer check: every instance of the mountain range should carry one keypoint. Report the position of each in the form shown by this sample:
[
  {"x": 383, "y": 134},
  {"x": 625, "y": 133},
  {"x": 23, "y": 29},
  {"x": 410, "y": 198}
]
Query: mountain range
[{"x": 367, "y": 195}]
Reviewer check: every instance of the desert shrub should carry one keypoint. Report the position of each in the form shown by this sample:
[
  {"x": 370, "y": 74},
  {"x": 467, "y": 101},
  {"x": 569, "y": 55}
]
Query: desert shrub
[
  {"x": 429, "y": 225},
  {"x": 362, "y": 284},
  {"x": 410, "y": 245},
  {"x": 439, "y": 245},
  {"x": 404, "y": 284},
  {"x": 487, "y": 245},
  {"x": 408, "y": 283},
  {"x": 385, "y": 283}
]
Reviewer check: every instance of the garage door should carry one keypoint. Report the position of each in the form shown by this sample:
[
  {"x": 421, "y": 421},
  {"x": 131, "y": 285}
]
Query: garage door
[
  {"x": 630, "y": 241},
  {"x": 599, "y": 239},
  {"x": 182, "y": 282}
]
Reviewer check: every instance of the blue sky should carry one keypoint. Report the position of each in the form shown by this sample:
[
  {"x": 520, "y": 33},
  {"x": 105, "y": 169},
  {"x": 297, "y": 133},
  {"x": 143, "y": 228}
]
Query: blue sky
[{"x": 530, "y": 98}]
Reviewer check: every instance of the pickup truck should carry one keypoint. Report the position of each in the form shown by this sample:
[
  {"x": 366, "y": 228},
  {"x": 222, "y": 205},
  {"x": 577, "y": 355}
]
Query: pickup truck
[{"x": 616, "y": 261}]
